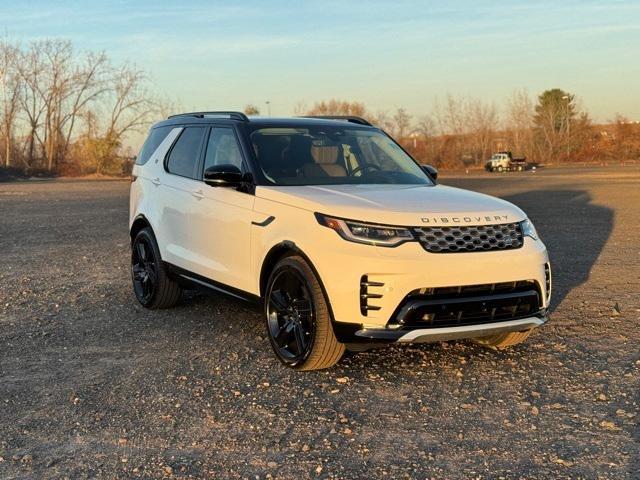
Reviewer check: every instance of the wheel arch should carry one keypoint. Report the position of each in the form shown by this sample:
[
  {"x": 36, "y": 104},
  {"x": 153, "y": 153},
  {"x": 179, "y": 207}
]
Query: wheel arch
[
  {"x": 138, "y": 224},
  {"x": 273, "y": 256},
  {"x": 279, "y": 251}
]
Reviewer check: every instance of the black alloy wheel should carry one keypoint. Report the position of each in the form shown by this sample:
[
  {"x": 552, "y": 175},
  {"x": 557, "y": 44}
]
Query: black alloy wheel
[
  {"x": 291, "y": 316},
  {"x": 144, "y": 269}
]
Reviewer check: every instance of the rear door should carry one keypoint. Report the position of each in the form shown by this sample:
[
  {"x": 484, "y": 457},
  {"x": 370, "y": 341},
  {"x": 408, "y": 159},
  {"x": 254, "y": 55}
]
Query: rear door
[
  {"x": 222, "y": 216},
  {"x": 178, "y": 197}
]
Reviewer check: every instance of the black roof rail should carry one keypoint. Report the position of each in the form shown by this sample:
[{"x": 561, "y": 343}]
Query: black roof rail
[
  {"x": 232, "y": 115},
  {"x": 344, "y": 118}
]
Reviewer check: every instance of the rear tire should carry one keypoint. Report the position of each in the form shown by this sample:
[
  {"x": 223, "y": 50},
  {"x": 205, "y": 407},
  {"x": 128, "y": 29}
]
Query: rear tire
[
  {"x": 298, "y": 319},
  {"x": 503, "y": 340},
  {"x": 151, "y": 283}
]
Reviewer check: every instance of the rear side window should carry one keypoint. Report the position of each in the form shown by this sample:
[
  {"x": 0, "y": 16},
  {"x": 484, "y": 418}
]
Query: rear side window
[
  {"x": 184, "y": 155},
  {"x": 222, "y": 148},
  {"x": 153, "y": 141}
]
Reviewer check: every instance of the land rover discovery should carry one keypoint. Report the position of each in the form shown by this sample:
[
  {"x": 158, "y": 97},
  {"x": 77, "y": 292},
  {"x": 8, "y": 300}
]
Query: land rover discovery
[{"x": 347, "y": 241}]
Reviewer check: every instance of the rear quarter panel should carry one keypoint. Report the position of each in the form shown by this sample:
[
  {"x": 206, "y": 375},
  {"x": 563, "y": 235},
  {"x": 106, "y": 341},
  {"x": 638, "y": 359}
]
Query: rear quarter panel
[{"x": 143, "y": 195}]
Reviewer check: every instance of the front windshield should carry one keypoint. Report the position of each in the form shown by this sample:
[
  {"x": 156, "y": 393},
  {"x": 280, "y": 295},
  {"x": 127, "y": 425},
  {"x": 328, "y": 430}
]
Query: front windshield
[{"x": 328, "y": 155}]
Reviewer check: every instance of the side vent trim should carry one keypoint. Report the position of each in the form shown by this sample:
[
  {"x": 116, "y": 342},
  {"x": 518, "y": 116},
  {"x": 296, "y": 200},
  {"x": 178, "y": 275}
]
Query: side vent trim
[
  {"x": 548, "y": 285},
  {"x": 366, "y": 295}
]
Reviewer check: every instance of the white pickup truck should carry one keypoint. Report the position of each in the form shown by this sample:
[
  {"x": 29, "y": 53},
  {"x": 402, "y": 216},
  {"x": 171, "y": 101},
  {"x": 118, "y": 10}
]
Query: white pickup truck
[{"x": 505, "y": 162}]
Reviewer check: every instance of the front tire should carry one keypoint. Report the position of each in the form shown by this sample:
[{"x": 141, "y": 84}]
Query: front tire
[
  {"x": 503, "y": 340},
  {"x": 151, "y": 283},
  {"x": 298, "y": 319}
]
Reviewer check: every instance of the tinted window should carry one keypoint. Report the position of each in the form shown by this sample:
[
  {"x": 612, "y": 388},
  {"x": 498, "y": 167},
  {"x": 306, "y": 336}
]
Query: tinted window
[
  {"x": 328, "y": 155},
  {"x": 222, "y": 148},
  {"x": 184, "y": 154},
  {"x": 153, "y": 141}
]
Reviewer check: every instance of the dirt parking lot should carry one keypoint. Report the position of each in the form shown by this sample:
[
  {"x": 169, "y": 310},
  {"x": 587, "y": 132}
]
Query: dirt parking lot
[{"x": 93, "y": 386}]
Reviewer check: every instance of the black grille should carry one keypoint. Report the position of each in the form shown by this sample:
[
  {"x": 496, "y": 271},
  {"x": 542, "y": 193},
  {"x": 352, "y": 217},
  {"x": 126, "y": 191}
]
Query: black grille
[
  {"x": 471, "y": 290},
  {"x": 470, "y": 238},
  {"x": 468, "y": 305}
]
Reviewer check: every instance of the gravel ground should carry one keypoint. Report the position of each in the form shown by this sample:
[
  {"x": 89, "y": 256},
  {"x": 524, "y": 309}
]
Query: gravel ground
[{"x": 93, "y": 386}]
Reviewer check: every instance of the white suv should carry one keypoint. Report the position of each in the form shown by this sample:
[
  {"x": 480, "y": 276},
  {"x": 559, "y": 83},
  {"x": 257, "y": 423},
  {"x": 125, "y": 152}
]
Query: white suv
[{"x": 347, "y": 241}]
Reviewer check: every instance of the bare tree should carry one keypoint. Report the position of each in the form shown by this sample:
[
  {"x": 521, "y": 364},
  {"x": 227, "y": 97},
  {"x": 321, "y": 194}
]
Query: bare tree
[
  {"x": 402, "y": 121},
  {"x": 88, "y": 83},
  {"x": 59, "y": 89},
  {"x": 10, "y": 88},
  {"x": 131, "y": 103},
  {"x": 53, "y": 87},
  {"x": 482, "y": 120},
  {"x": 382, "y": 120},
  {"x": 450, "y": 117},
  {"x": 519, "y": 122},
  {"x": 450, "y": 120},
  {"x": 126, "y": 107},
  {"x": 426, "y": 126},
  {"x": 31, "y": 69},
  {"x": 338, "y": 107}
]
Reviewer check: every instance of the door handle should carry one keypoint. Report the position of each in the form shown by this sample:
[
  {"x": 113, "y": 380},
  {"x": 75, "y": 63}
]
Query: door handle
[
  {"x": 198, "y": 194},
  {"x": 156, "y": 181}
]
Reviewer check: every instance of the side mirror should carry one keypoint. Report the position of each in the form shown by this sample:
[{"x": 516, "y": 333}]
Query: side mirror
[
  {"x": 223, "y": 176},
  {"x": 431, "y": 171}
]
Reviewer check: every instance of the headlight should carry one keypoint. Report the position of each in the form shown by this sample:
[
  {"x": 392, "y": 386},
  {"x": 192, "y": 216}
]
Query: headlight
[
  {"x": 369, "y": 233},
  {"x": 529, "y": 230}
]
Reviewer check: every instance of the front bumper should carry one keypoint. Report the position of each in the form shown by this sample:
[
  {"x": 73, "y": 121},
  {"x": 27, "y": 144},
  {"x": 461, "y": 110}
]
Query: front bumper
[
  {"x": 367, "y": 287},
  {"x": 392, "y": 274},
  {"x": 427, "y": 335}
]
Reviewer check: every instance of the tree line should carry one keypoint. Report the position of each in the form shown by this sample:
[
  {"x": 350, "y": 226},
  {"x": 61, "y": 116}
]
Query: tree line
[
  {"x": 463, "y": 132},
  {"x": 68, "y": 112}
]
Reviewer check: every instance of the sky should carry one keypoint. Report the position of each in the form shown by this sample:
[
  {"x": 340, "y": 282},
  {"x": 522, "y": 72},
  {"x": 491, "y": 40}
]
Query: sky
[{"x": 217, "y": 55}]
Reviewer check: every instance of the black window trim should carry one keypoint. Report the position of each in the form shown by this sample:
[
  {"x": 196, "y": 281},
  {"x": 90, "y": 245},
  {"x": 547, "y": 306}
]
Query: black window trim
[
  {"x": 175, "y": 141},
  {"x": 205, "y": 146}
]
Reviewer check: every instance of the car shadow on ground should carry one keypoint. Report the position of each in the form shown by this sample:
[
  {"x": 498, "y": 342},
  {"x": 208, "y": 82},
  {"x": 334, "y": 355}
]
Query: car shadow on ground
[{"x": 574, "y": 229}]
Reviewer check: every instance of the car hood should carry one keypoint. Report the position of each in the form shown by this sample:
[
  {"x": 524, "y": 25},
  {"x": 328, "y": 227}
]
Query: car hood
[{"x": 409, "y": 205}]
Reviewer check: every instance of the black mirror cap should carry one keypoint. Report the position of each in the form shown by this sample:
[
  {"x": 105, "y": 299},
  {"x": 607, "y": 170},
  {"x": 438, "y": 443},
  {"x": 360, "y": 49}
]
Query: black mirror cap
[
  {"x": 223, "y": 176},
  {"x": 431, "y": 171}
]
